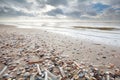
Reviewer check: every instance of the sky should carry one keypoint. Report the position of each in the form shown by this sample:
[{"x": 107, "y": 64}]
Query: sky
[{"x": 66, "y": 9}]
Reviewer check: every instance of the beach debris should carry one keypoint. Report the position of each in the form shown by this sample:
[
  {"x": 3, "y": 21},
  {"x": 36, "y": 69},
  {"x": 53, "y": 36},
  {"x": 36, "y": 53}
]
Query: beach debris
[
  {"x": 117, "y": 73},
  {"x": 33, "y": 62},
  {"x": 3, "y": 70},
  {"x": 18, "y": 72},
  {"x": 26, "y": 74},
  {"x": 110, "y": 66},
  {"x": 39, "y": 71},
  {"x": 104, "y": 57},
  {"x": 23, "y": 59},
  {"x": 107, "y": 76},
  {"x": 52, "y": 76},
  {"x": 54, "y": 68},
  {"x": 46, "y": 75},
  {"x": 62, "y": 71},
  {"x": 6, "y": 75},
  {"x": 32, "y": 77}
]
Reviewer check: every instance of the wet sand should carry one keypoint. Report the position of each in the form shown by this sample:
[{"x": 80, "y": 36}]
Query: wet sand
[{"x": 14, "y": 40}]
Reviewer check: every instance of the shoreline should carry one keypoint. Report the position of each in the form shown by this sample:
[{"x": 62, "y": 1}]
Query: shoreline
[{"x": 104, "y": 38}]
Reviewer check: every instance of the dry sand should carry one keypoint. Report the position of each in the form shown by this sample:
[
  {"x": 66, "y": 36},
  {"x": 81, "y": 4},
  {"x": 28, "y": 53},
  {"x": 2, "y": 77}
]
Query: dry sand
[{"x": 75, "y": 49}]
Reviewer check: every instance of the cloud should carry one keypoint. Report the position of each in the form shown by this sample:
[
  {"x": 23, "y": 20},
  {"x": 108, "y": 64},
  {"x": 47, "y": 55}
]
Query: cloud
[
  {"x": 55, "y": 12},
  {"x": 14, "y": 7},
  {"x": 16, "y": 3},
  {"x": 112, "y": 3},
  {"x": 75, "y": 14},
  {"x": 100, "y": 7},
  {"x": 9, "y": 12},
  {"x": 80, "y": 9},
  {"x": 111, "y": 14},
  {"x": 41, "y": 3},
  {"x": 20, "y": 8},
  {"x": 57, "y": 2}
]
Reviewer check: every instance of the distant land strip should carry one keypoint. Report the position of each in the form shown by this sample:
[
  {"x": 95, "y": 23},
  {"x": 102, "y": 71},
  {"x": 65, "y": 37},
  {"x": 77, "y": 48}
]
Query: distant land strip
[{"x": 99, "y": 28}]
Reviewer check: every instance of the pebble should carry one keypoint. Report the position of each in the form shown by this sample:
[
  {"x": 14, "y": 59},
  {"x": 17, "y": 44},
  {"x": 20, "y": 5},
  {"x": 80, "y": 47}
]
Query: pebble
[
  {"x": 5, "y": 75},
  {"x": 104, "y": 57},
  {"x": 18, "y": 72},
  {"x": 81, "y": 74},
  {"x": 26, "y": 74},
  {"x": 97, "y": 58}
]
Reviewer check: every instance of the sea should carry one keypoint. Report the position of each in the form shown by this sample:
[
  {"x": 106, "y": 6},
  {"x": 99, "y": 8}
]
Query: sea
[{"x": 95, "y": 31}]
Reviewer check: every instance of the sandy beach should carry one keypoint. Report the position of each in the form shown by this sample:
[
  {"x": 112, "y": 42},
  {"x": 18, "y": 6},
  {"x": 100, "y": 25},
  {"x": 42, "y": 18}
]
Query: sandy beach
[{"x": 17, "y": 42}]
